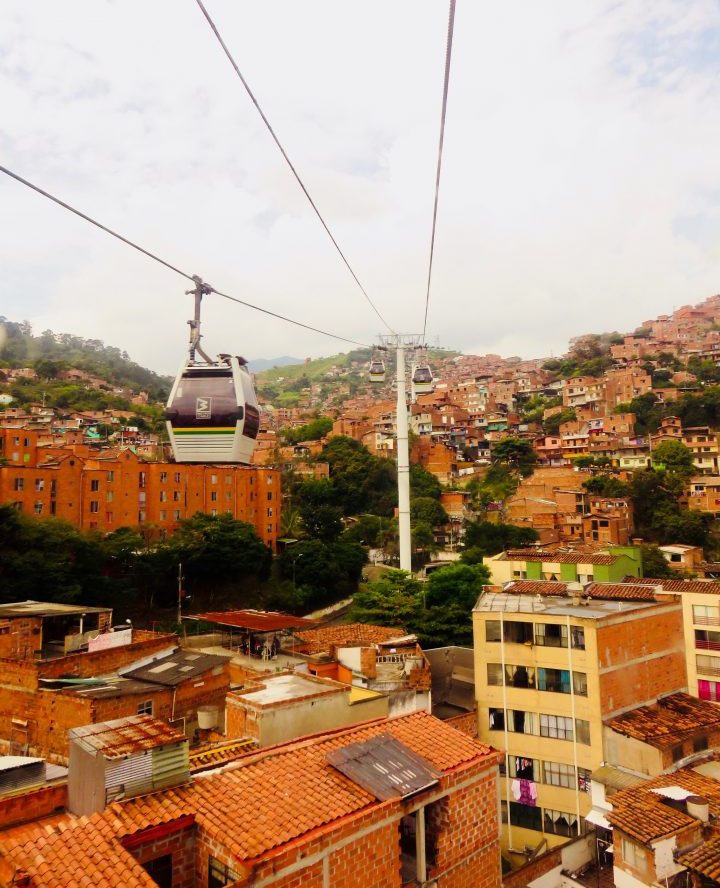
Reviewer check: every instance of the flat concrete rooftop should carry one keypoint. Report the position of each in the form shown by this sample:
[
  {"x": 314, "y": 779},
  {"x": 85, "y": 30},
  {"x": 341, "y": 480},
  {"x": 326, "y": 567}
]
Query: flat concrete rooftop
[{"x": 288, "y": 687}]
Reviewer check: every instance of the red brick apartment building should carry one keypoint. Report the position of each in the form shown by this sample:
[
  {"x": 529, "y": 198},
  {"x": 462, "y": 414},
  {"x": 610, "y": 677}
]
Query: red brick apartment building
[
  {"x": 318, "y": 812},
  {"x": 104, "y": 490}
]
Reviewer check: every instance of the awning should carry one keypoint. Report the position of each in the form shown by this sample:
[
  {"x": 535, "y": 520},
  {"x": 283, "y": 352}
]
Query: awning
[{"x": 597, "y": 818}]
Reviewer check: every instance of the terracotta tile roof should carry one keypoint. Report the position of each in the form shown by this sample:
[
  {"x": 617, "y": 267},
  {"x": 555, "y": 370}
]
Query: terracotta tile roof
[
  {"x": 293, "y": 787},
  {"x": 704, "y": 859},
  {"x": 669, "y": 721},
  {"x": 218, "y": 754},
  {"x": 623, "y": 591},
  {"x": 646, "y": 816},
  {"x": 712, "y": 588},
  {"x": 65, "y": 856},
  {"x": 347, "y": 634},
  {"x": 536, "y": 587},
  {"x": 559, "y": 557},
  {"x": 125, "y": 736}
]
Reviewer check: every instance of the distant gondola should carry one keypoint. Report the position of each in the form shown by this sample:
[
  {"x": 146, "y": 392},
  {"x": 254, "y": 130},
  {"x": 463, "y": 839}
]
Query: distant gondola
[
  {"x": 212, "y": 413},
  {"x": 376, "y": 371},
  {"x": 422, "y": 379}
]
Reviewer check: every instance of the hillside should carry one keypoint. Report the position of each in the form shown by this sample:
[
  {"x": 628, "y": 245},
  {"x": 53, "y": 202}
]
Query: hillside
[{"x": 50, "y": 353}]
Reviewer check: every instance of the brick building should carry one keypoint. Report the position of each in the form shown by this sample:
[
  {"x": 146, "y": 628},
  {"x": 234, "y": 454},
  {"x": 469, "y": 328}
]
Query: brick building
[
  {"x": 50, "y": 686},
  {"x": 551, "y": 668},
  {"x": 299, "y": 814},
  {"x": 105, "y": 490}
]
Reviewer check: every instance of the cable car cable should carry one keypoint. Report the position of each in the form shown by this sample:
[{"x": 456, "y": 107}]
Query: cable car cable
[
  {"x": 288, "y": 161},
  {"x": 446, "y": 84},
  {"x": 169, "y": 265}
]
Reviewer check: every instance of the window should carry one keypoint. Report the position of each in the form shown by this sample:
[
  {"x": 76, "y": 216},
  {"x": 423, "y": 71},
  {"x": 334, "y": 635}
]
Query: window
[
  {"x": 94, "y": 485},
  {"x": 580, "y": 683},
  {"x": 556, "y": 680},
  {"x": 228, "y": 494},
  {"x": 163, "y": 477},
  {"x": 700, "y": 744},
  {"x": 177, "y": 477},
  {"x": 706, "y": 615},
  {"x": 163, "y": 496},
  {"x": 677, "y": 752},
  {"x": 525, "y": 816},
  {"x": 521, "y": 768},
  {"x": 707, "y": 665},
  {"x": 39, "y": 484},
  {"x": 560, "y": 823},
  {"x": 163, "y": 515},
  {"x": 108, "y": 517},
  {"x": 19, "y": 484},
  {"x": 521, "y": 722},
  {"x": 228, "y": 479},
  {"x": 519, "y": 676},
  {"x": 213, "y": 479},
  {"x": 176, "y": 496},
  {"x": 109, "y": 496},
  {"x": 492, "y": 630},
  {"x": 219, "y": 874},
  {"x": 707, "y": 640},
  {"x": 551, "y": 634},
  {"x": 633, "y": 854},
  {"x": 213, "y": 512},
  {"x": 558, "y": 774},
  {"x": 269, "y": 496},
  {"x": 111, "y": 476},
  {"x": 142, "y": 497},
  {"x": 494, "y": 673},
  {"x": 582, "y": 731},
  {"x": 142, "y": 479},
  {"x": 94, "y": 506},
  {"x": 496, "y": 720},
  {"x": 26, "y": 442},
  {"x": 176, "y": 515},
  {"x": 141, "y": 516},
  {"x": 145, "y": 708},
  {"x": 517, "y": 632},
  {"x": 213, "y": 496},
  {"x": 558, "y": 727},
  {"x": 584, "y": 780},
  {"x": 577, "y": 637},
  {"x": 160, "y": 870},
  {"x": 38, "y": 508},
  {"x": 709, "y": 690},
  {"x": 269, "y": 513}
]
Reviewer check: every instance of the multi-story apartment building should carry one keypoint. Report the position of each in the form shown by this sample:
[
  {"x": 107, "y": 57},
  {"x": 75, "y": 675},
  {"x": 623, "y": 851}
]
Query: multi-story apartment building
[
  {"x": 703, "y": 442},
  {"x": 105, "y": 490},
  {"x": 550, "y": 668},
  {"x": 609, "y": 565}
]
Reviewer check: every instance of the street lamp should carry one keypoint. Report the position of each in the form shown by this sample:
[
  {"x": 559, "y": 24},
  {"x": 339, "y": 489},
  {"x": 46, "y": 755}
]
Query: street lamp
[{"x": 300, "y": 555}]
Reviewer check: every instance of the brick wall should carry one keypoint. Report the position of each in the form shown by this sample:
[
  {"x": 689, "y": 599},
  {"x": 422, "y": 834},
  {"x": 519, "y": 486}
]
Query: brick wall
[
  {"x": 368, "y": 662},
  {"x": 87, "y": 664},
  {"x": 32, "y": 805},
  {"x": 181, "y": 845},
  {"x": 640, "y": 659},
  {"x": 468, "y": 723},
  {"x": 520, "y": 877}
]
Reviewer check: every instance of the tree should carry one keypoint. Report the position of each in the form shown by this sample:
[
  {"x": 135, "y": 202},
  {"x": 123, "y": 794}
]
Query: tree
[
  {"x": 490, "y": 537},
  {"x": 457, "y": 583},
  {"x": 654, "y": 564},
  {"x": 423, "y": 483},
  {"x": 316, "y": 503},
  {"x": 427, "y": 510},
  {"x": 606, "y": 485},
  {"x": 516, "y": 453},
  {"x": 675, "y": 458}
]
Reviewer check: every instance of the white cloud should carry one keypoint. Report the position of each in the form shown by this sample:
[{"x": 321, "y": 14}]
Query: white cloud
[{"x": 578, "y": 189}]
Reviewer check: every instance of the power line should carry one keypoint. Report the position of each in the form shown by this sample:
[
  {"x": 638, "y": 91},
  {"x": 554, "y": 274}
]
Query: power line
[
  {"x": 174, "y": 268},
  {"x": 446, "y": 84},
  {"x": 288, "y": 161}
]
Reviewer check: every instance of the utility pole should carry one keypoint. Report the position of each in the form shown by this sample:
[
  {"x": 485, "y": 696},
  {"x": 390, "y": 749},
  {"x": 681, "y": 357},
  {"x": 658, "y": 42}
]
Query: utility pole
[
  {"x": 401, "y": 342},
  {"x": 180, "y": 594}
]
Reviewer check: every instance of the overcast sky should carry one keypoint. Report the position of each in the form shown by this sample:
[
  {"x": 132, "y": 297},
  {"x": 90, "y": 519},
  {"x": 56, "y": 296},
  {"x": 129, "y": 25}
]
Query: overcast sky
[{"x": 580, "y": 188}]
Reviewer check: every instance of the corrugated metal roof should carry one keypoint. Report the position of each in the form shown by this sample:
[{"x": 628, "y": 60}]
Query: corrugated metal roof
[
  {"x": 180, "y": 666},
  {"x": 125, "y": 736},
  {"x": 384, "y": 767},
  {"x": 47, "y": 609},
  {"x": 615, "y": 778},
  {"x": 257, "y": 621}
]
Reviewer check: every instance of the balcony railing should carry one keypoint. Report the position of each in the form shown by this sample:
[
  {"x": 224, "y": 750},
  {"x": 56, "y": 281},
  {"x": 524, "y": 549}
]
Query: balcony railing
[{"x": 703, "y": 645}]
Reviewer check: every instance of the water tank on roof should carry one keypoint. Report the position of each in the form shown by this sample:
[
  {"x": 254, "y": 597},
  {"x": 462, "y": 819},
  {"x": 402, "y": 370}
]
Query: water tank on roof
[{"x": 698, "y": 807}]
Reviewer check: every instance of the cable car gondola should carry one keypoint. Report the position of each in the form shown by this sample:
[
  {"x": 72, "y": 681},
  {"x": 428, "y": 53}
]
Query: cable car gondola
[
  {"x": 212, "y": 413},
  {"x": 376, "y": 371},
  {"x": 422, "y": 379}
]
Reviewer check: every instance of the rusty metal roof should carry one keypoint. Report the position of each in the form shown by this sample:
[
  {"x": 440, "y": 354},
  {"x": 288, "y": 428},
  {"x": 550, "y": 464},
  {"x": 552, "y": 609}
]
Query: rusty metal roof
[
  {"x": 257, "y": 621},
  {"x": 125, "y": 736},
  {"x": 384, "y": 767}
]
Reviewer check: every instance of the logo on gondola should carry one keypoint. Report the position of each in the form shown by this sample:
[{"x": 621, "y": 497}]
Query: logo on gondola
[{"x": 203, "y": 408}]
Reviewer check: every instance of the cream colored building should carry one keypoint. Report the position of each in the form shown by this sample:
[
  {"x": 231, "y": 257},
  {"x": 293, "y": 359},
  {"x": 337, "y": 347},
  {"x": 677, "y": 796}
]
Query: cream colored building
[{"x": 550, "y": 667}]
